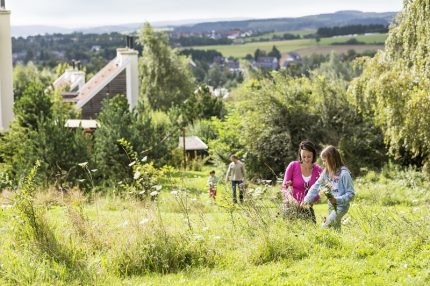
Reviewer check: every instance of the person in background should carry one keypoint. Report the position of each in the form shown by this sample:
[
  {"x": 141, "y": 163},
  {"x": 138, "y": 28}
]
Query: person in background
[
  {"x": 300, "y": 175},
  {"x": 212, "y": 184},
  {"x": 236, "y": 173},
  {"x": 336, "y": 182}
]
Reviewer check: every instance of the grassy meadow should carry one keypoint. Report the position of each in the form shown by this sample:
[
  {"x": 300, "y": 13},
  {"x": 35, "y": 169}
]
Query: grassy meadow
[
  {"x": 241, "y": 50},
  {"x": 179, "y": 237}
]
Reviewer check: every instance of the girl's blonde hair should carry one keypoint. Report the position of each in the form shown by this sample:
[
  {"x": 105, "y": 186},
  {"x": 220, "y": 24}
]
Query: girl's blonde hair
[{"x": 333, "y": 158}]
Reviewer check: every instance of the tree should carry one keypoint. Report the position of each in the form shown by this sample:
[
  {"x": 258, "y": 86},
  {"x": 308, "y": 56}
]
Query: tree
[
  {"x": 275, "y": 53},
  {"x": 33, "y": 105},
  {"x": 29, "y": 74},
  {"x": 259, "y": 53},
  {"x": 202, "y": 105},
  {"x": 393, "y": 89},
  {"x": 166, "y": 77},
  {"x": 116, "y": 122}
]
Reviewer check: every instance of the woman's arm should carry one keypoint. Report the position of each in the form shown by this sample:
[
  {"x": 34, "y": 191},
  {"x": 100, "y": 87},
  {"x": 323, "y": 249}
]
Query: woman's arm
[{"x": 288, "y": 177}]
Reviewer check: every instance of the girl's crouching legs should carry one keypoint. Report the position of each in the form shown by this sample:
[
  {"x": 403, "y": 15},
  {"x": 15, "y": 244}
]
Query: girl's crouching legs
[{"x": 333, "y": 220}]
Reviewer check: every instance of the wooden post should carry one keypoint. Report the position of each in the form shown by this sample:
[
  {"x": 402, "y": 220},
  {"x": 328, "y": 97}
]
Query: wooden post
[{"x": 185, "y": 151}]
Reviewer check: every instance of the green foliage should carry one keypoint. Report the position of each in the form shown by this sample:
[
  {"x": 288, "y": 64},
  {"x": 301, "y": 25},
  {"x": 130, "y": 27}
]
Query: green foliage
[
  {"x": 116, "y": 122},
  {"x": 145, "y": 176},
  {"x": 39, "y": 133},
  {"x": 275, "y": 53},
  {"x": 58, "y": 148},
  {"x": 33, "y": 105},
  {"x": 202, "y": 105},
  {"x": 393, "y": 88},
  {"x": 229, "y": 139},
  {"x": 23, "y": 76},
  {"x": 34, "y": 234},
  {"x": 155, "y": 250},
  {"x": 166, "y": 77}
]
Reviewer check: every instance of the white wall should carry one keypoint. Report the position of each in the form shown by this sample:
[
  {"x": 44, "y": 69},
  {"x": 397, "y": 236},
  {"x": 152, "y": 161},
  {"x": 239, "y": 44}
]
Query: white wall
[{"x": 6, "y": 86}]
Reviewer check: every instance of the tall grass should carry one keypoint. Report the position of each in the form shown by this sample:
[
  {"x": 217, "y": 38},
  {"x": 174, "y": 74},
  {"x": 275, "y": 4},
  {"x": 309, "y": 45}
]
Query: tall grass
[{"x": 180, "y": 238}]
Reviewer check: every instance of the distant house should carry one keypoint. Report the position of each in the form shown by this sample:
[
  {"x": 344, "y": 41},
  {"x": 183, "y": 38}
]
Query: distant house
[
  {"x": 231, "y": 64},
  {"x": 71, "y": 81},
  {"x": 267, "y": 63},
  {"x": 95, "y": 48},
  {"x": 120, "y": 76},
  {"x": 292, "y": 58},
  {"x": 194, "y": 146},
  {"x": 219, "y": 92},
  {"x": 87, "y": 124}
]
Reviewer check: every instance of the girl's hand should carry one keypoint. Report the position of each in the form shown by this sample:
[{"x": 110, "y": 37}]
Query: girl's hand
[
  {"x": 304, "y": 205},
  {"x": 332, "y": 201}
]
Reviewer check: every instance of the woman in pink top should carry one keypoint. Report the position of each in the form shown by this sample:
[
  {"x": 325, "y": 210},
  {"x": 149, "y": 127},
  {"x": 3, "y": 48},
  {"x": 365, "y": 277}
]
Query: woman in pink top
[{"x": 301, "y": 175}]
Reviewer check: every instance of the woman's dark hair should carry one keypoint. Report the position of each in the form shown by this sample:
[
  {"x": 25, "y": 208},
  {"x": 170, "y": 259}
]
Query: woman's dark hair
[
  {"x": 333, "y": 158},
  {"x": 308, "y": 146}
]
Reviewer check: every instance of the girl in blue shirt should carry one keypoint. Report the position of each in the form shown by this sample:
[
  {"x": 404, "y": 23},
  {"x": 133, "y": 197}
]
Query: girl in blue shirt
[{"x": 337, "y": 178}]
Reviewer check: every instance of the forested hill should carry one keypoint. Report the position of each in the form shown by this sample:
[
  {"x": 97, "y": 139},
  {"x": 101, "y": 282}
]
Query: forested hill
[{"x": 341, "y": 18}]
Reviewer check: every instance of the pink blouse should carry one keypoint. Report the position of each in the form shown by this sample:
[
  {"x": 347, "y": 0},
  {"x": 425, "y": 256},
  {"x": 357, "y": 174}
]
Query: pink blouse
[{"x": 300, "y": 188}]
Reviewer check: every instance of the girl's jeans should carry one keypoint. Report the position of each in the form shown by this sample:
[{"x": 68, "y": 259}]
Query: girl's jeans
[{"x": 334, "y": 219}]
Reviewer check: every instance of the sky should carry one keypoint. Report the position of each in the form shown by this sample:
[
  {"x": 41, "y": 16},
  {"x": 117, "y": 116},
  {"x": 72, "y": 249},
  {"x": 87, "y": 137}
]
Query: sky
[{"x": 90, "y": 13}]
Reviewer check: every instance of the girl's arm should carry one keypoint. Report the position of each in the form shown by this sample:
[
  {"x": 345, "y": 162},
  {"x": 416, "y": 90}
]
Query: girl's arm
[
  {"x": 313, "y": 191},
  {"x": 346, "y": 181}
]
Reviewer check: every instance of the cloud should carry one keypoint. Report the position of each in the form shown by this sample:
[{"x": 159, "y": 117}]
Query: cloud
[{"x": 98, "y": 12}]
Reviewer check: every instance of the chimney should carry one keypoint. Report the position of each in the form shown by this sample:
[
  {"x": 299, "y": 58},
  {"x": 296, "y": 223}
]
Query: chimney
[
  {"x": 130, "y": 42},
  {"x": 6, "y": 86},
  {"x": 129, "y": 58}
]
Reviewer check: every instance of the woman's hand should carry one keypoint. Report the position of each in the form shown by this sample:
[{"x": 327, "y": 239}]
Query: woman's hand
[{"x": 332, "y": 201}]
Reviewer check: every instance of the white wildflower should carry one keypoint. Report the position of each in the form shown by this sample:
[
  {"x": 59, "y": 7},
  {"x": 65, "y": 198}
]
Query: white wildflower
[
  {"x": 144, "y": 221},
  {"x": 217, "y": 237},
  {"x": 136, "y": 175},
  {"x": 132, "y": 163},
  {"x": 83, "y": 165},
  {"x": 198, "y": 237},
  {"x": 154, "y": 193},
  {"x": 175, "y": 193},
  {"x": 205, "y": 228},
  {"x": 157, "y": 187}
]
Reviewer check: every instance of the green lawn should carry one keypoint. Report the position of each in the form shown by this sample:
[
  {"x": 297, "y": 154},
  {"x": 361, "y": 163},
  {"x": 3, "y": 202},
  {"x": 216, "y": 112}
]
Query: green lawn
[
  {"x": 181, "y": 238},
  {"x": 241, "y": 50}
]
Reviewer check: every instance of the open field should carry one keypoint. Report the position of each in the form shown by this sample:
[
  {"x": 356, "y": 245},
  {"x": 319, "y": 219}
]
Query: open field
[
  {"x": 269, "y": 36},
  {"x": 339, "y": 49},
  {"x": 180, "y": 238},
  {"x": 240, "y": 51}
]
